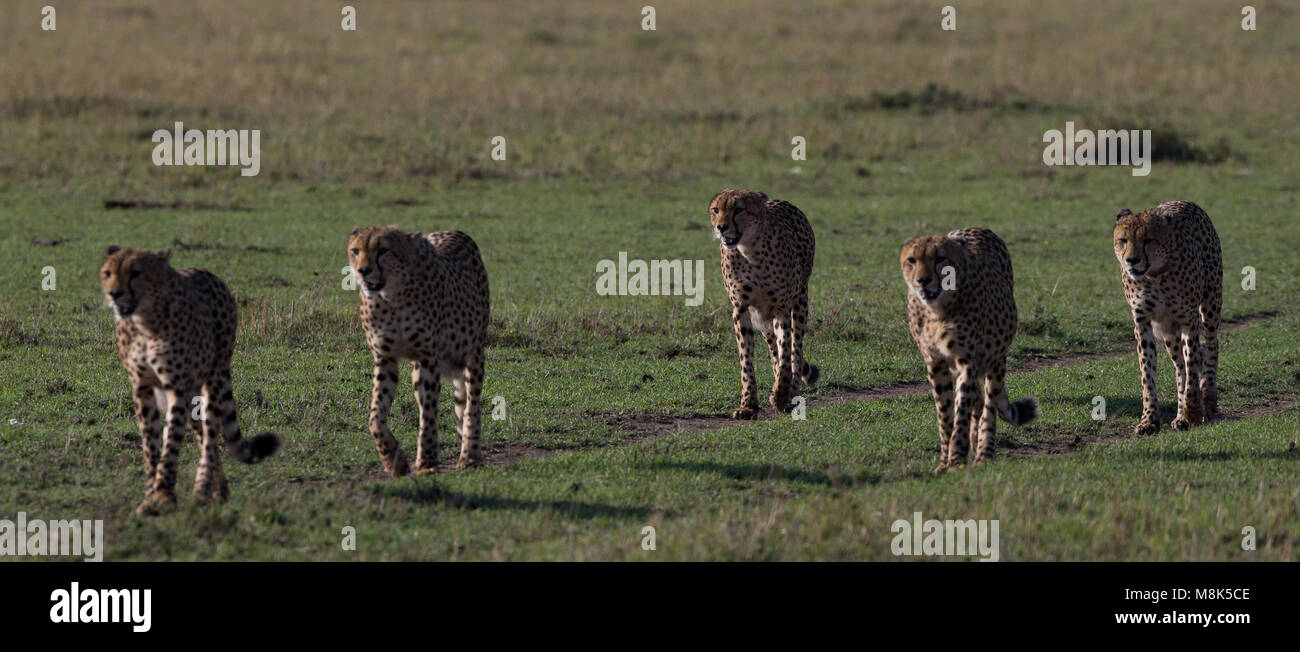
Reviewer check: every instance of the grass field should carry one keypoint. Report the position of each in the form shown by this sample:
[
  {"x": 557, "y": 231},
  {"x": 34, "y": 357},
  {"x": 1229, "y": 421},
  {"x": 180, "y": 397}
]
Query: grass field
[{"x": 617, "y": 138}]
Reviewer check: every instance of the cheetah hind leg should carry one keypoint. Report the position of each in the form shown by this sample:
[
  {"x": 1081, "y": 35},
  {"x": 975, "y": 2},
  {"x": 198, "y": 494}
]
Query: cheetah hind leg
[
  {"x": 784, "y": 384},
  {"x": 210, "y": 482},
  {"x": 1209, "y": 374},
  {"x": 808, "y": 373},
  {"x": 471, "y": 425}
]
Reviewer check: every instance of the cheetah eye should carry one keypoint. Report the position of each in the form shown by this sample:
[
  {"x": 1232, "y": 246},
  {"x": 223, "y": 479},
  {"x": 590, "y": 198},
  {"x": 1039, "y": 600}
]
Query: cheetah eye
[
  {"x": 911, "y": 261},
  {"x": 714, "y": 210},
  {"x": 1123, "y": 241},
  {"x": 355, "y": 251}
]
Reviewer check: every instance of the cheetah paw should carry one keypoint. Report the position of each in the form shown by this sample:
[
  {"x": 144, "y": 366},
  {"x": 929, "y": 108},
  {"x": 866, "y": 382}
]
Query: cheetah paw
[
  {"x": 1146, "y": 428},
  {"x": 155, "y": 503},
  {"x": 745, "y": 412},
  {"x": 466, "y": 462},
  {"x": 780, "y": 401},
  {"x": 399, "y": 466},
  {"x": 211, "y": 494},
  {"x": 1180, "y": 423}
]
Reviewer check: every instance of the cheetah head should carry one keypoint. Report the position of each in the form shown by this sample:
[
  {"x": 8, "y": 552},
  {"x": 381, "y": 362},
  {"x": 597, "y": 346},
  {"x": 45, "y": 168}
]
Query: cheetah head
[
  {"x": 133, "y": 279},
  {"x": 1142, "y": 243},
  {"x": 378, "y": 257},
  {"x": 929, "y": 263},
  {"x": 733, "y": 212}
]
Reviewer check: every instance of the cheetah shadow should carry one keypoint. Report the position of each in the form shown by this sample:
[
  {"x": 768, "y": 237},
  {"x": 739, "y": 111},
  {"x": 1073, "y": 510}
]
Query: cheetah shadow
[
  {"x": 1131, "y": 407},
  {"x": 1127, "y": 406},
  {"x": 426, "y": 492},
  {"x": 1219, "y": 456},
  {"x": 769, "y": 472}
]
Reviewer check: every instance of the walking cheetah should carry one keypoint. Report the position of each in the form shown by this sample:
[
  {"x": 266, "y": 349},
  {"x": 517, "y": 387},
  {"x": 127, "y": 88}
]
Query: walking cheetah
[
  {"x": 175, "y": 335},
  {"x": 423, "y": 298},
  {"x": 961, "y": 311},
  {"x": 1172, "y": 270},
  {"x": 767, "y": 256}
]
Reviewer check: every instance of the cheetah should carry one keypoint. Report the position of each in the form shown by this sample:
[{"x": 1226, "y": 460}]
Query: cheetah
[
  {"x": 961, "y": 312},
  {"x": 423, "y": 298},
  {"x": 767, "y": 256},
  {"x": 1172, "y": 270},
  {"x": 175, "y": 333}
]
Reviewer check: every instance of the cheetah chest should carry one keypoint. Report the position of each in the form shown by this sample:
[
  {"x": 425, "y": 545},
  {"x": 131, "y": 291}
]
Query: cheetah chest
[{"x": 759, "y": 282}]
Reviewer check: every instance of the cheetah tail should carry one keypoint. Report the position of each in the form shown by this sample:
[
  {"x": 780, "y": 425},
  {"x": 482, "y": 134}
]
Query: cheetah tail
[
  {"x": 253, "y": 449},
  {"x": 1020, "y": 412},
  {"x": 809, "y": 373}
]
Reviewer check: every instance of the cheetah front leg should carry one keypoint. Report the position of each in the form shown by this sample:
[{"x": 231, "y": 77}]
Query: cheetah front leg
[
  {"x": 162, "y": 492},
  {"x": 1146, "y": 345},
  {"x": 745, "y": 344},
  {"x": 149, "y": 421},
  {"x": 969, "y": 400},
  {"x": 782, "y": 387},
  {"x": 940, "y": 376},
  {"x": 210, "y": 482},
  {"x": 427, "y": 385},
  {"x": 471, "y": 428},
  {"x": 381, "y": 400}
]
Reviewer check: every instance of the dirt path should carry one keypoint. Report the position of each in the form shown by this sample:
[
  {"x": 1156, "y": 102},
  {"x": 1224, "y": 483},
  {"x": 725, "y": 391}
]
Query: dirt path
[{"x": 643, "y": 426}]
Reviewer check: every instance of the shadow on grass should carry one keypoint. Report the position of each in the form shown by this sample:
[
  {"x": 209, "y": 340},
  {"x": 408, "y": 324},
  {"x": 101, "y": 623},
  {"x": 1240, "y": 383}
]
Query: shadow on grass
[
  {"x": 426, "y": 492},
  {"x": 770, "y": 472},
  {"x": 1220, "y": 456},
  {"x": 1131, "y": 406}
]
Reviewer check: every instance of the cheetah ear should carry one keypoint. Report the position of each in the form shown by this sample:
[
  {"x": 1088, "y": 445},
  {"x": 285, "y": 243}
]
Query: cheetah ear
[
  {"x": 356, "y": 230},
  {"x": 165, "y": 255},
  {"x": 761, "y": 196},
  {"x": 112, "y": 249},
  {"x": 1122, "y": 212}
]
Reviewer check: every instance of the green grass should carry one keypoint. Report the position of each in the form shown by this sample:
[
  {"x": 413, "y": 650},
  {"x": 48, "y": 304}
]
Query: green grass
[{"x": 617, "y": 140}]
